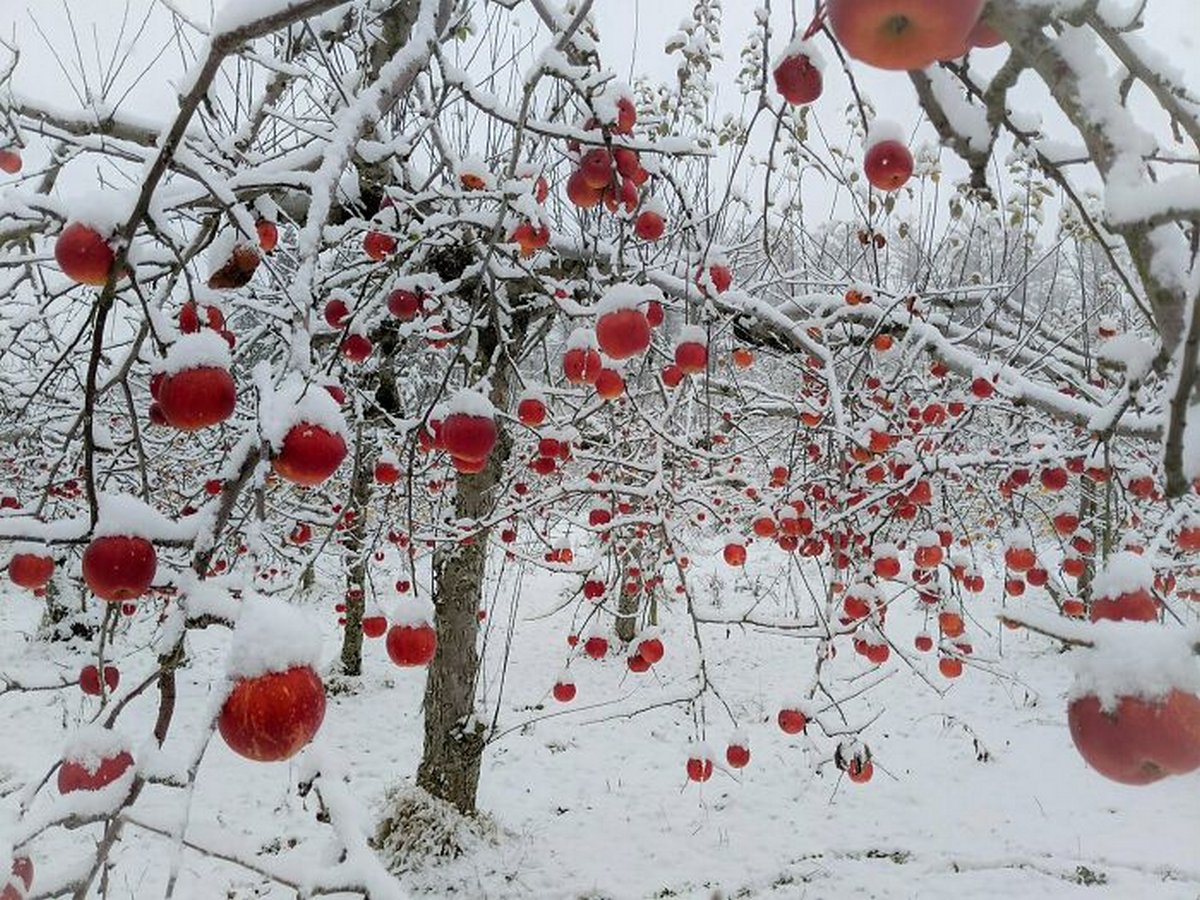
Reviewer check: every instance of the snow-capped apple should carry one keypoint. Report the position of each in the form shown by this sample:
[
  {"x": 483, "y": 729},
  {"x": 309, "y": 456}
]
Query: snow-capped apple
[
  {"x": 30, "y": 570},
  {"x": 196, "y": 398},
  {"x": 888, "y": 165},
  {"x": 309, "y": 455},
  {"x": 271, "y": 717},
  {"x": 468, "y": 437},
  {"x": 83, "y": 254},
  {"x": 797, "y": 79},
  {"x": 19, "y": 883},
  {"x": 92, "y": 774},
  {"x": 623, "y": 333},
  {"x": 411, "y": 645},
  {"x": 119, "y": 567}
]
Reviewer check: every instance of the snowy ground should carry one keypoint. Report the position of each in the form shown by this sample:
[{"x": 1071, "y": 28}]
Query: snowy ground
[{"x": 595, "y": 805}]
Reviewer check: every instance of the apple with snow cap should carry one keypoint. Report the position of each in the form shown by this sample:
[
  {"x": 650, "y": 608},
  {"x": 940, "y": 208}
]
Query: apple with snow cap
[
  {"x": 30, "y": 568},
  {"x": 888, "y": 164},
  {"x": 84, "y": 254},
  {"x": 196, "y": 389},
  {"x": 622, "y": 329},
  {"x": 306, "y": 430},
  {"x": 277, "y": 701}
]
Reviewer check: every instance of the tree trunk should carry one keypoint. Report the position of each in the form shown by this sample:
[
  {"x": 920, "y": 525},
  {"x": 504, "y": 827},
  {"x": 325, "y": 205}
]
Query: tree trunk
[
  {"x": 356, "y": 575},
  {"x": 454, "y": 735}
]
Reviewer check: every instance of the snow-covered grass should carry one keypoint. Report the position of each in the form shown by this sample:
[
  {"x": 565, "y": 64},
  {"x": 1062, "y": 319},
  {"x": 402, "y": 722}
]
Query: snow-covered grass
[{"x": 977, "y": 792}]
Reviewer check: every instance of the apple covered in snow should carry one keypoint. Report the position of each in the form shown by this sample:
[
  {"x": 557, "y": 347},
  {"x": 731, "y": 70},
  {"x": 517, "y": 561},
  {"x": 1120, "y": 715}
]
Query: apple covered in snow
[{"x": 277, "y": 701}]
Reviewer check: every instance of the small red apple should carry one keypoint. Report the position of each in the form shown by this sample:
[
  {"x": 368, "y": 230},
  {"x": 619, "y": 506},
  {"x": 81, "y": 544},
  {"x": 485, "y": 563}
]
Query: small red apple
[
  {"x": 20, "y": 882},
  {"x": 404, "y": 305},
  {"x": 798, "y": 80},
  {"x": 268, "y": 235},
  {"x": 649, "y": 226},
  {"x": 10, "y": 161},
  {"x": 737, "y": 755},
  {"x": 888, "y": 165},
  {"x": 564, "y": 691},
  {"x": 792, "y": 721},
  {"x": 89, "y": 679},
  {"x": 374, "y": 626},
  {"x": 651, "y": 650}
]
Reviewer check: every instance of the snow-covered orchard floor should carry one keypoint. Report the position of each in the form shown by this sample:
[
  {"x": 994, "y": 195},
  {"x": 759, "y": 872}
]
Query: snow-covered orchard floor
[{"x": 977, "y": 792}]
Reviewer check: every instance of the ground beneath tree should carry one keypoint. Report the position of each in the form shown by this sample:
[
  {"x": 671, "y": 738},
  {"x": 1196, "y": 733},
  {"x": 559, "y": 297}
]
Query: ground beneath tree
[{"x": 977, "y": 792}]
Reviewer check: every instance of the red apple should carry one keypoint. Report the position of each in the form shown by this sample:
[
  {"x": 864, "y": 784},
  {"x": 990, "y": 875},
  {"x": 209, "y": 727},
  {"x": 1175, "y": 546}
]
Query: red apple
[
  {"x": 531, "y": 412},
  {"x": 649, "y": 226},
  {"x": 651, "y": 650},
  {"x": 89, "y": 679},
  {"x": 596, "y": 166},
  {"x": 623, "y": 333},
  {"x": 77, "y": 776},
  {"x": 903, "y": 34},
  {"x": 197, "y": 398},
  {"x": 10, "y": 161},
  {"x": 888, "y": 165},
  {"x": 374, "y": 626},
  {"x": 530, "y": 238},
  {"x": 19, "y": 883},
  {"x": 404, "y": 305},
  {"x": 268, "y": 235},
  {"x": 792, "y": 721},
  {"x": 798, "y": 80},
  {"x": 411, "y": 645},
  {"x": 1140, "y": 740},
  {"x": 582, "y": 365},
  {"x": 699, "y": 768},
  {"x": 83, "y": 254},
  {"x": 737, "y": 755},
  {"x": 271, "y": 717},
  {"x": 468, "y": 437},
  {"x": 310, "y": 454},
  {"x": 609, "y": 384},
  {"x": 336, "y": 312},
  {"x": 379, "y": 246},
  {"x": 582, "y": 194},
  {"x": 564, "y": 691},
  {"x": 691, "y": 357},
  {"x": 30, "y": 570},
  {"x": 119, "y": 567}
]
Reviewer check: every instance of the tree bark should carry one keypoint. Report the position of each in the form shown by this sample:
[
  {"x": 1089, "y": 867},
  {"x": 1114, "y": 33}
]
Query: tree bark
[
  {"x": 356, "y": 575},
  {"x": 454, "y": 735}
]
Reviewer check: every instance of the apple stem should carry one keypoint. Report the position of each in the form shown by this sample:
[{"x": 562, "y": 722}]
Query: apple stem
[{"x": 817, "y": 23}]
